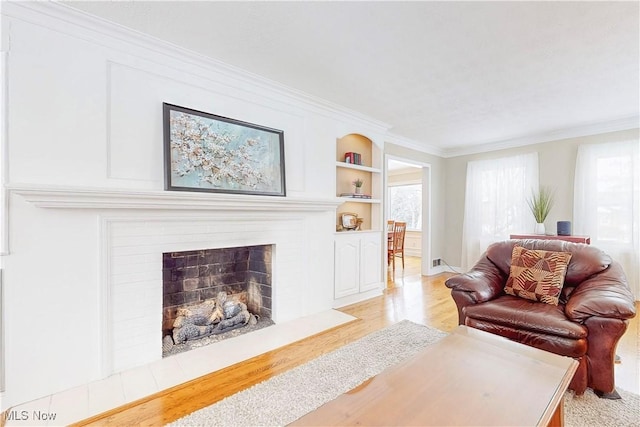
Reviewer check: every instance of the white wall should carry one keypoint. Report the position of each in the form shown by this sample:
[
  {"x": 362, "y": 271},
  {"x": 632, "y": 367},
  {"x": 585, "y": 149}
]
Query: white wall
[{"x": 84, "y": 105}]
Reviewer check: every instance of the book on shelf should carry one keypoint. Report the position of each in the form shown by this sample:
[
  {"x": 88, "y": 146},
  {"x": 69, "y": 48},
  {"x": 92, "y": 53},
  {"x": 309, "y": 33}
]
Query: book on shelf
[
  {"x": 356, "y": 195},
  {"x": 353, "y": 158}
]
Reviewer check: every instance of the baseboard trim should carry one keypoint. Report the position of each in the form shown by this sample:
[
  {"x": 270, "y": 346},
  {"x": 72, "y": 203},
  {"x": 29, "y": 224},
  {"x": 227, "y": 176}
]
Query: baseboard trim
[{"x": 444, "y": 269}]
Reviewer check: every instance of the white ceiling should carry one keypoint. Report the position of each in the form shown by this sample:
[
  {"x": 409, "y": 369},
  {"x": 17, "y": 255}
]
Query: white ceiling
[
  {"x": 447, "y": 75},
  {"x": 397, "y": 165}
]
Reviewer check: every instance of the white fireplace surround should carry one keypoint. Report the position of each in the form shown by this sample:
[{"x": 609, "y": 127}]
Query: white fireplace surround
[
  {"x": 137, "y": 227},
  {"x": 132, "y": 273}
]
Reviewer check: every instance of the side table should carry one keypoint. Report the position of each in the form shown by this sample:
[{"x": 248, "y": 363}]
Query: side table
[{"x": 573, "y": 239}]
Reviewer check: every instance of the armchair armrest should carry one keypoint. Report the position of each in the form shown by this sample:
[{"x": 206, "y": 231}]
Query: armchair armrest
[
  {"x": 605, "y": 294},
  {"x": 482, "y": 283}
]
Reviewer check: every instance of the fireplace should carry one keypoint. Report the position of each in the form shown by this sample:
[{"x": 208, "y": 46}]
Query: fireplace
[
  {"x": 212, "y": 294},
  {"x": 131, "y": 255}
]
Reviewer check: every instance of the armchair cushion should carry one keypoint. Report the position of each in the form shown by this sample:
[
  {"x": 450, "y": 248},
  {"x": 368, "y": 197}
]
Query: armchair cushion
[
  {"x": 527, "y": 315},
  {"x": 537, "y": 275},
  {"x": 483, "y": 283},
  {"x": 604, "y": 295}
]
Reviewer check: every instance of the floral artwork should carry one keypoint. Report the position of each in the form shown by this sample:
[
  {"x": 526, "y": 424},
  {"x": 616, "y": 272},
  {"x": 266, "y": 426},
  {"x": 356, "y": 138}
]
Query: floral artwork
[{"x": 204, "y": 152}]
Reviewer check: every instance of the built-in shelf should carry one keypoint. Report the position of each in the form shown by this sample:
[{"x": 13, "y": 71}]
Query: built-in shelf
[
  {"x": 357, "y": 200},
  {"x": 357, "y": 167},
  {"x": 99, "y": 198},
  {"x": 358, "y": 253},
  {"x": 343, "y": 232},
  {"x": 369, "y": 159}
]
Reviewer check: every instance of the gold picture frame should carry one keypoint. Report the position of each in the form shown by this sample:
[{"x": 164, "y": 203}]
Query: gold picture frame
[{"x": 349, "y": 221}]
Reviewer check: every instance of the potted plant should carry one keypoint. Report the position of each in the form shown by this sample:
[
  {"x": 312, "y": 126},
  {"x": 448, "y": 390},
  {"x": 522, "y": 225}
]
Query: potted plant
[
  {"x": 540, "y": 204},
  {"x": 358, "y": 184}
]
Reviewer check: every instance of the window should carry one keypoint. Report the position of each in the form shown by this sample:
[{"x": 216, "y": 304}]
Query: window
[
  {"x": 614, "y": 207},
  {"x": 607, "y": 202},
  {"x": 495, "y": 202},
  {"x": 405, "y": 204}
]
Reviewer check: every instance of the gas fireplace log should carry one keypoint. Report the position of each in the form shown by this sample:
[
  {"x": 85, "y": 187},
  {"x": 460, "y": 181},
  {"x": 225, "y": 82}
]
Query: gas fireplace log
[{"x": 211, "y": 317}]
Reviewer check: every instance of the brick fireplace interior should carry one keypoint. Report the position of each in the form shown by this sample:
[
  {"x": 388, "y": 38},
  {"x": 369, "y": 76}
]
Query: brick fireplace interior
[{"x": 192, "y": 277}]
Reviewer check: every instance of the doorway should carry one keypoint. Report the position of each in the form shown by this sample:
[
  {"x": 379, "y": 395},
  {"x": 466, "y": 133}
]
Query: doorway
[{"x": 407, "y": 199}]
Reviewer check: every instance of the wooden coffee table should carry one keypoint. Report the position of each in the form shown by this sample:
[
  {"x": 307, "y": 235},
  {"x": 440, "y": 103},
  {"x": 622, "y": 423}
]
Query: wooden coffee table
[{"x": 470, "y": 377}]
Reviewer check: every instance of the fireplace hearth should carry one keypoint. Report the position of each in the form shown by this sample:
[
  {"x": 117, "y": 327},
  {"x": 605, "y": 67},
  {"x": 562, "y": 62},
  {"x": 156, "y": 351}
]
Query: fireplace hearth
[{"x": 213, "y": 294}]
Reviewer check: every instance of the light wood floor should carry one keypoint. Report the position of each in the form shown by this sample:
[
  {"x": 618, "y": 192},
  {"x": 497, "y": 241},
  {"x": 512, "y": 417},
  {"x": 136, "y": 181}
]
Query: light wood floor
[{"x": 408, "y": 295}]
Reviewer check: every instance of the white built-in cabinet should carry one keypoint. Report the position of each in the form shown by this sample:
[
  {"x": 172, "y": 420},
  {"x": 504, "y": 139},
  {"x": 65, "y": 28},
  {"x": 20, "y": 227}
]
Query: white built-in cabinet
[
  {"x": 358, "y": 263},
  {"x": 358, "y": 254}
]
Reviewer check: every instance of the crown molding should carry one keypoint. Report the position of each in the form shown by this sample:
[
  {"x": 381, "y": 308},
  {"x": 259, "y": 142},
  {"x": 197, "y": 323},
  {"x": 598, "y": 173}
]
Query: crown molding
[
  {"x": 414, "y": 145},
  {"x": 625, "y": 123}
]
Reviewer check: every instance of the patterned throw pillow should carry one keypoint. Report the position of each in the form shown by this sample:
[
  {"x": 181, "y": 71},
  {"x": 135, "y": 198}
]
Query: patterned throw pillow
[{"x": 537, "y": 275}]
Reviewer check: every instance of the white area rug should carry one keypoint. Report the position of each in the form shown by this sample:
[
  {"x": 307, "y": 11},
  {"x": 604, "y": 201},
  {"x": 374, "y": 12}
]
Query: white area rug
[
  {"x": 286, "y": 397},
  {"x": 589, "y": 410}
]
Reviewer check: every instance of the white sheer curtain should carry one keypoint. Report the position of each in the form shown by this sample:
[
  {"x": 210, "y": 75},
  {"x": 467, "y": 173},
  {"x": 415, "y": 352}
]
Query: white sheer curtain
[
  {"x": 606, "y": 204},
  {"x": 496, "y": 202}
]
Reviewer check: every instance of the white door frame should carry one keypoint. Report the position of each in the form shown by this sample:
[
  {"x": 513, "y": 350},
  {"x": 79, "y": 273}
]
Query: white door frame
[{"x": 426, "y": 268}]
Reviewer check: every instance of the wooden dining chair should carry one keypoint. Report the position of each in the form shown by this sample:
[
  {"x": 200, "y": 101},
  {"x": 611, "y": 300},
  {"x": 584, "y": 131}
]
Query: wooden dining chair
[
  {"x": 396, "y": 247},
  {"x": 390, "y": 223}
]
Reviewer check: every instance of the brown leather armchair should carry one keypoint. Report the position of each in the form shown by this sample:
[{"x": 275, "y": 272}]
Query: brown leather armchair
[{"x": 591, "y": 316}]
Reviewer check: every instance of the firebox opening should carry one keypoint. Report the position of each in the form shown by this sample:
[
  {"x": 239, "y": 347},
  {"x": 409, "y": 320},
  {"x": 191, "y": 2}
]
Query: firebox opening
[{"x": 213, "y": 294}]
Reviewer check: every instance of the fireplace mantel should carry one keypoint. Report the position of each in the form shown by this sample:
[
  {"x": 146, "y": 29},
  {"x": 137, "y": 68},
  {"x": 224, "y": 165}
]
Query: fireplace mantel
[{"x": 100, "y": 198}]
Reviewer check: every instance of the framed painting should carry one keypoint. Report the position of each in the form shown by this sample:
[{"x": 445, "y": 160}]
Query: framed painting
[{"x": 205, "y": 152}]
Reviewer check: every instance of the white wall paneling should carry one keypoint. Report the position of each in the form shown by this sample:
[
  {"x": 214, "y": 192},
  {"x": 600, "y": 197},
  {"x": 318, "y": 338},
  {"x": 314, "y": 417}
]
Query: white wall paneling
[
  {"x": 4, "y": 146},
  {"x": 2, "y": 344},
  {"x": 88, "y": 218},
  {"x": 135, "y": 123},
  {"x": 413, "y": 243}
]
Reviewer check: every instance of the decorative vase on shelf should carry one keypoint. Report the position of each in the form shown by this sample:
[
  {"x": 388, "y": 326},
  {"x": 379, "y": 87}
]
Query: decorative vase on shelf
[
  {"x": 539, "y": 228},
  {"x": 358, "y": 185}
]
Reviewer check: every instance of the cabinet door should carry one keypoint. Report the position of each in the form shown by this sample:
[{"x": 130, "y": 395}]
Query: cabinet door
[
  {"x": 347, "y": 267},
  {"x": 370, "y": 261}
]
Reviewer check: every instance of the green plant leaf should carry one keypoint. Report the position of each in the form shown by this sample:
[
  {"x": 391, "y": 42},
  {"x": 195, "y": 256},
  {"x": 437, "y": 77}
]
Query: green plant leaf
[{"x": 541, "y": 203}]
